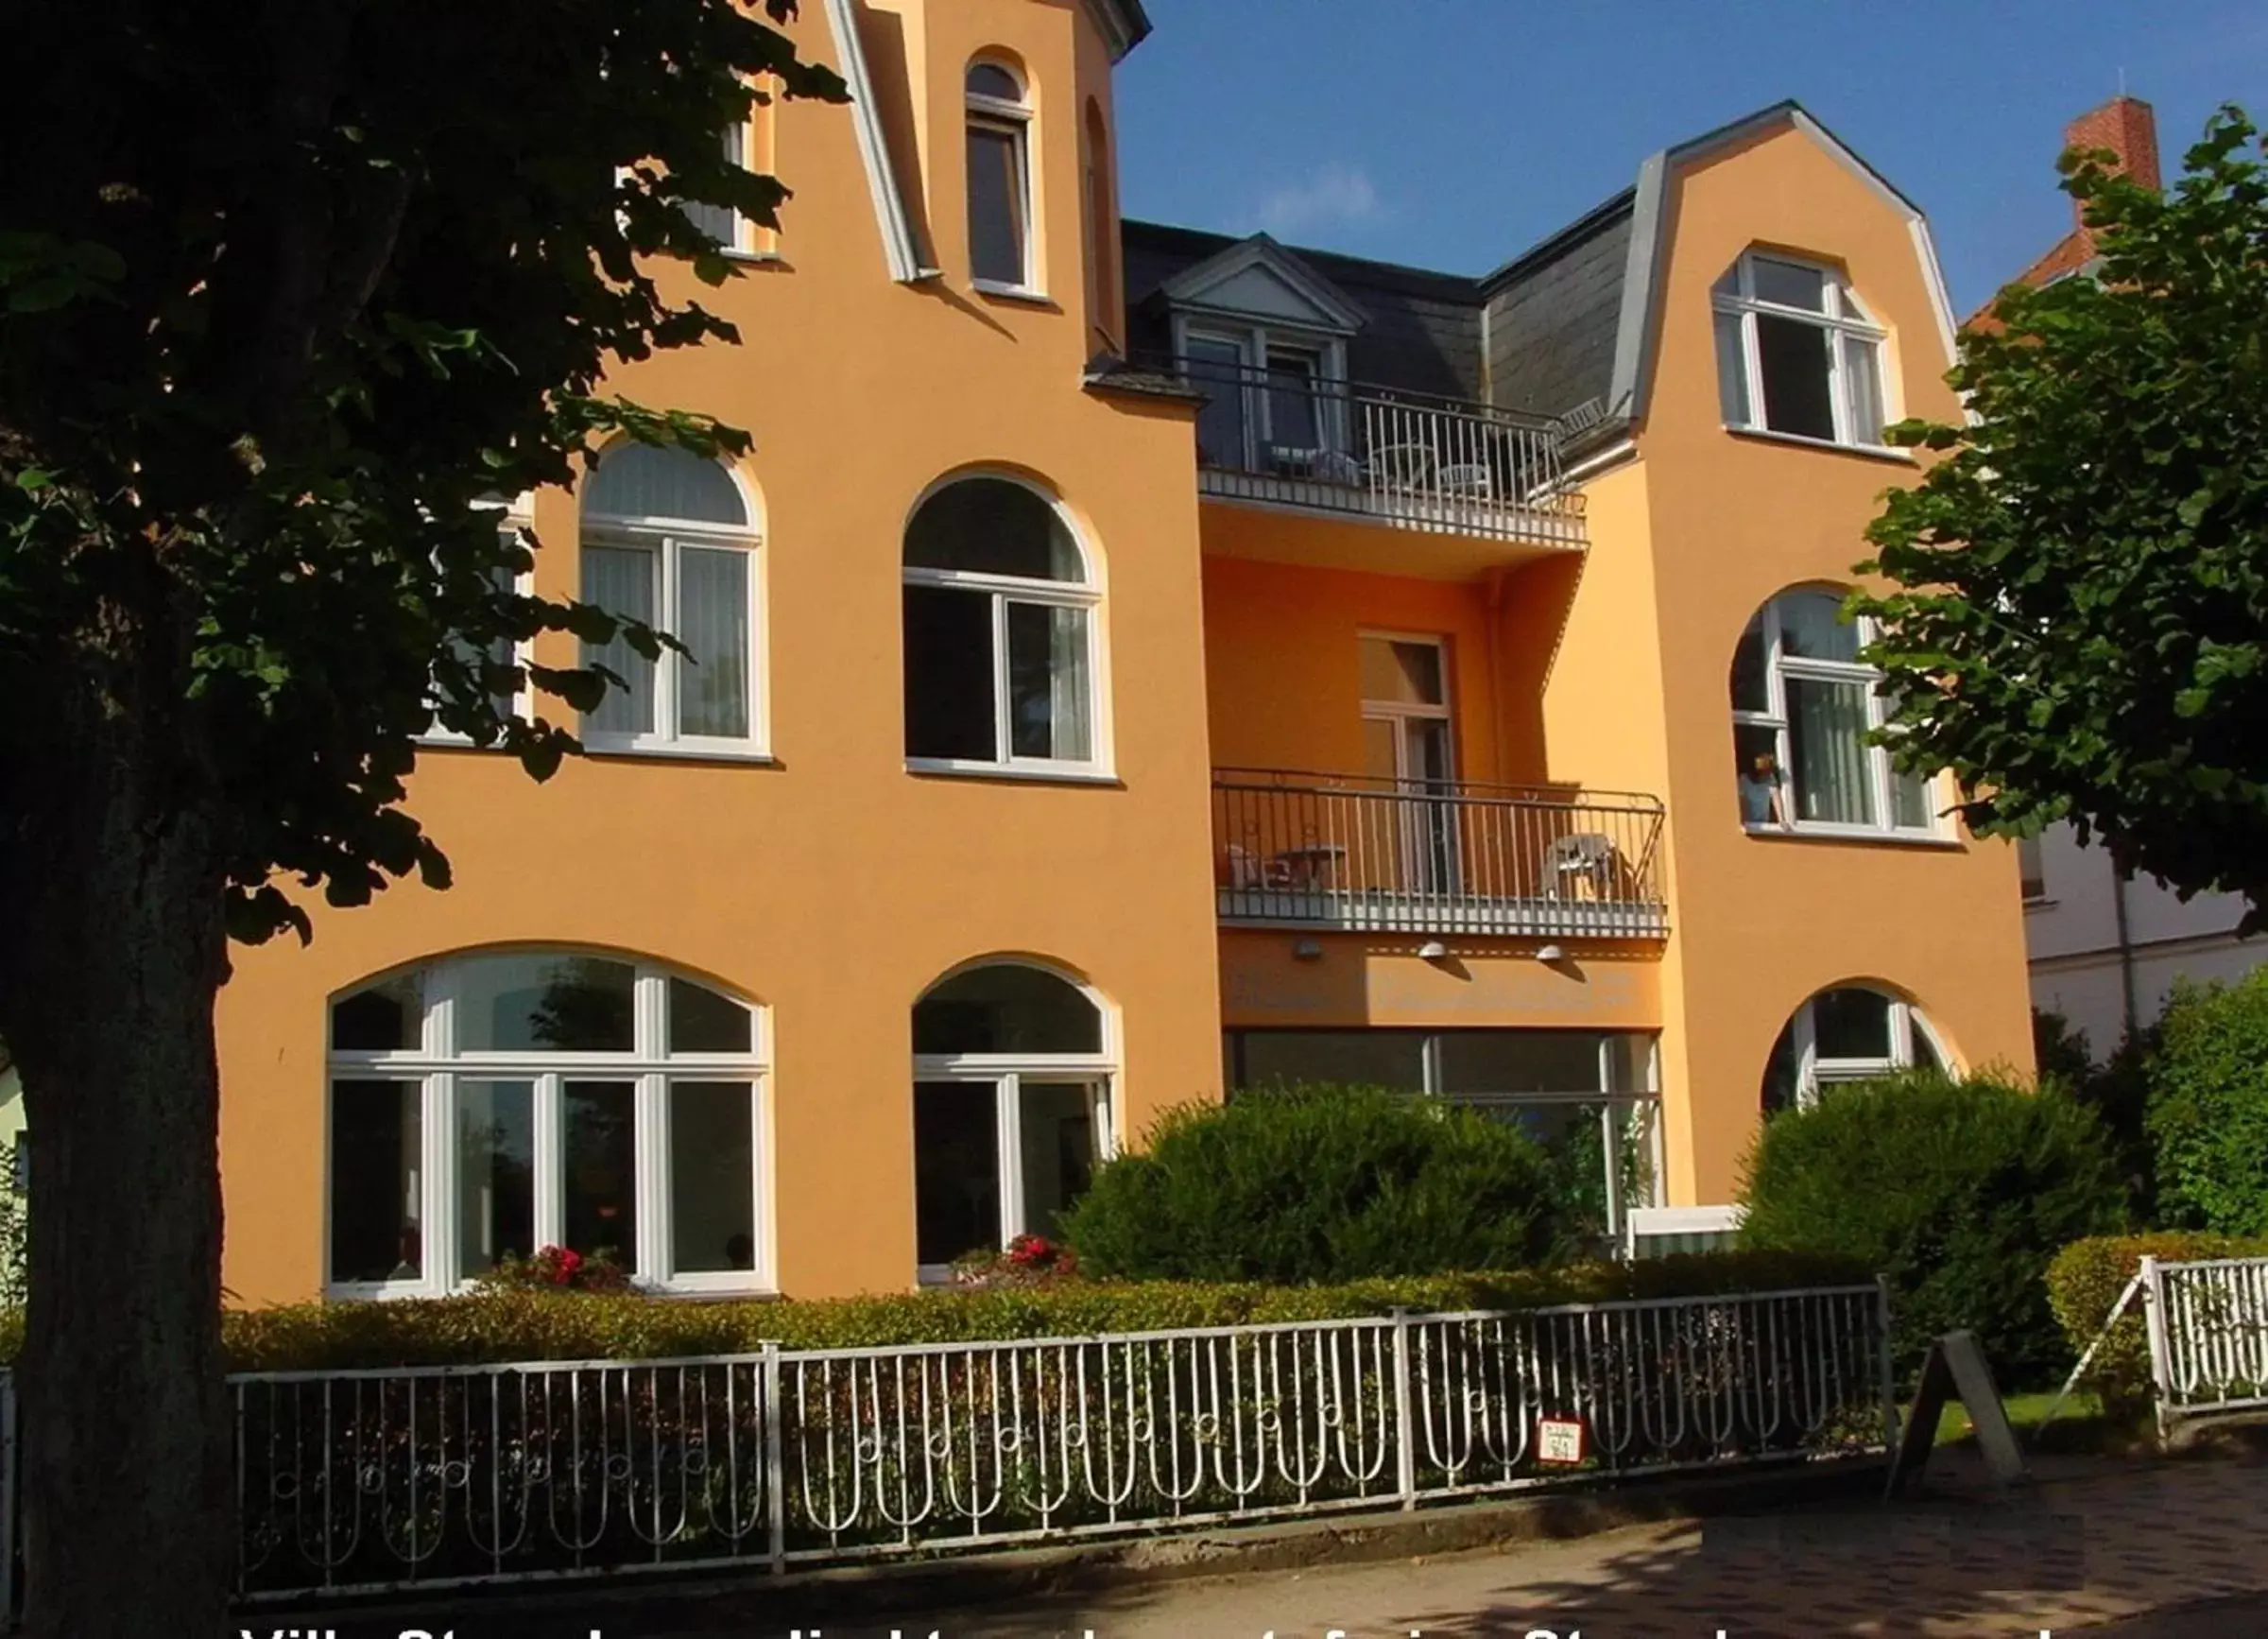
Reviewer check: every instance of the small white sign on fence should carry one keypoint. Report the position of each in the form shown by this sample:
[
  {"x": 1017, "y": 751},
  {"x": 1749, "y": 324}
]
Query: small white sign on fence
[{"x": 1558, "y": 1440}]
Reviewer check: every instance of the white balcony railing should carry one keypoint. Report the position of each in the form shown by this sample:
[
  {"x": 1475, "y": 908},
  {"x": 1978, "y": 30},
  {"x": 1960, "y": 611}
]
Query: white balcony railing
[
  {"x": 1408, "y": 459},
  {"x": 1436, "y": 856}
]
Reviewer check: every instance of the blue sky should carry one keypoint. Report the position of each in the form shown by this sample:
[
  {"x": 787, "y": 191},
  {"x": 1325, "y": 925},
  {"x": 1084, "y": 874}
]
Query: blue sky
[{"x": 1453, "y": 134}]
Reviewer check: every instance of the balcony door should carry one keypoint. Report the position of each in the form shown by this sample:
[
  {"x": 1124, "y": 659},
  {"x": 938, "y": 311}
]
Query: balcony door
[
  {"x": 1408, "y": 750},
  {"x": 1275, "y": 405}
]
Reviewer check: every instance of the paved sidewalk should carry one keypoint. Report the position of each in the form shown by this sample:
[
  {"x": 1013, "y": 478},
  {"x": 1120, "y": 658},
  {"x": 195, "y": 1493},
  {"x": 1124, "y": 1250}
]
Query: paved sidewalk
[{"x": 2097, "y": 1542}]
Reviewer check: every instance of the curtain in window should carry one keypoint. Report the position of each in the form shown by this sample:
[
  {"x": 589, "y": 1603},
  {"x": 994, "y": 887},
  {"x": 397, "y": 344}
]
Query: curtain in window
[
  {"x": 1862, "y": 388},
  {"x": 712, "y": 622},
  {"x": 1827, "y": 725},
  {"x": 620, "y": 580},
  {"x": 1048, "y": 682}
]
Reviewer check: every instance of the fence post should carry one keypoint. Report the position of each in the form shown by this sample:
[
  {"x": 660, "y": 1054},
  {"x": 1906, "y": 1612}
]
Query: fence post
[
  {"x": 1883, "y": 1359},
  {"x": 2161, "y": 1358},
  {"x": 775, "y": 1460},
  {"x": 1406, "y": 1423}
]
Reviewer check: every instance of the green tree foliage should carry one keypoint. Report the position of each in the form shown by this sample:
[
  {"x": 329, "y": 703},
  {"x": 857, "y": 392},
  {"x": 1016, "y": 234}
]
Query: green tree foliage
[
  {"x": 1959, "y": 1192},
  {"x": 2077, "y": 624},
  {"x": 1315, "y": 1184},
  {"x": 2208, "y": 1107},
  {"x": 285, "y": 292},
  {"x": 2117, "y": 1090}
]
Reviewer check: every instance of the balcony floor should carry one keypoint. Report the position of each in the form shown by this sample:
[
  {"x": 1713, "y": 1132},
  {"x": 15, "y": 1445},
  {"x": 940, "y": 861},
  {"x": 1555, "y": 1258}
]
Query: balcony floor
[{"x": 1373, "y": 911}]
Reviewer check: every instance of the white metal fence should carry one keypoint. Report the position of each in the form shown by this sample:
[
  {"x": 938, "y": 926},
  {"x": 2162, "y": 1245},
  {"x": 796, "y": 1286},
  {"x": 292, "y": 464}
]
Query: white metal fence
[
  {"x": 364, "y": 1481},
  {"x": 2208, "y": 1335}
]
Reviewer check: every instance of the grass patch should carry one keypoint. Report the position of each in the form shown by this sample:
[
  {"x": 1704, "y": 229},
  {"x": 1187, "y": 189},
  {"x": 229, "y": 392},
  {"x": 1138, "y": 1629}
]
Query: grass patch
[{"x": 2081, "y": 1427}]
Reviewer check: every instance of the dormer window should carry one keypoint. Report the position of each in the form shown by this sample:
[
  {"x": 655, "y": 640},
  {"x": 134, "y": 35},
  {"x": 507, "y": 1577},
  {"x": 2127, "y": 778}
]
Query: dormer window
[
  {"x": 1000, "y": 180},
  {"x": 1797, "y": 353}
]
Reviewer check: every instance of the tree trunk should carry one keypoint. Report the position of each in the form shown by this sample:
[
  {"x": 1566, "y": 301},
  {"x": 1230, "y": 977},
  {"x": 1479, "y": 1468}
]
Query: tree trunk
[{"x": 114, "y": 951}]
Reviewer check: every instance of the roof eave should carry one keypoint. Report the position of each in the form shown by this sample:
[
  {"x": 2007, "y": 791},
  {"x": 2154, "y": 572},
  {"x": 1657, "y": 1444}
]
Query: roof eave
[{"x": 1124, "y": 23}]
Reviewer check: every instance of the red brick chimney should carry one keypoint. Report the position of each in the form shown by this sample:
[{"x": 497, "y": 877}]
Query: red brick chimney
[{"x": 2128, "y": 129}]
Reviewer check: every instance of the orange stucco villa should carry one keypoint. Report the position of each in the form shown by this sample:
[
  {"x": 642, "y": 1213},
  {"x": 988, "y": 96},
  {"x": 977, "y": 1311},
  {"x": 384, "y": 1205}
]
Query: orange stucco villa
[{"x": 1134, "y": 664}]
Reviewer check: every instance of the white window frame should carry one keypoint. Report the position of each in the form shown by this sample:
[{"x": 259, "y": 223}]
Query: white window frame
[
  {"x": 436, "y": 1065},
  {"x": 1253, "y": 340},
  {"x": 1847, "y": 324},
  {"x": 1880, "y": 782},
  {"x": 1812, "y": 1071},
  {"x": 666, "y": 537},
  {"x": 1002, "y": 590},
  {"x": 1013, "y": 119},
  {"x": 1005, "y": 1072},
  {"x": 515, "y": 515}
]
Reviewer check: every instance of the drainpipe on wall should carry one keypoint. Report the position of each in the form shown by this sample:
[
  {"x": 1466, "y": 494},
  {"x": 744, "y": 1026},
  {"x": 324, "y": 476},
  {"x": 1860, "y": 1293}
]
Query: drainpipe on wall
[{"x": 2118, "y": 905}]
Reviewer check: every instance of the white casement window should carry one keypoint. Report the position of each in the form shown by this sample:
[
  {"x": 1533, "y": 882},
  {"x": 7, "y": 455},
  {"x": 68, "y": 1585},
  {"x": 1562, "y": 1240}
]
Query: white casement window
[
  {"x": 1000, "y": 181},
  {"x": 513, "y": 518},
  {"x": 669, "y": 538},
  {"x": 499, "y": 1103},
  {"x": 1847, "y": 1034},
  {"x": 1013, "y": 1066},
  {"x": 1276, "y": 399},
  {"x": 1797, "y": 354},
  {"x": 1001, "y": 657},
  {"x": 722, "y": 223},
  {"x": 1803, "y": 709}
]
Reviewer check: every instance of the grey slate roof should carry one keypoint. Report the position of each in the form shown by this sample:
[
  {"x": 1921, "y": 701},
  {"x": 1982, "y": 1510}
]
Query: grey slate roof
[{"x": 1553, "y": 312}]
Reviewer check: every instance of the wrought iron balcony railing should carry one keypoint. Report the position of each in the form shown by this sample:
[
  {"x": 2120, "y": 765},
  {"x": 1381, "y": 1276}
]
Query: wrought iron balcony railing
[
  {"x": 1436, "y": 856},
  {"x": 1294, "y": 437}
]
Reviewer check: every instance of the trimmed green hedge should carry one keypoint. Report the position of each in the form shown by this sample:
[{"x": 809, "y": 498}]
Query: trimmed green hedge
[
  {"x": 1959, "y": 1192},
  {"x": 2086, "y": 1280},
  {"x": 2209, "y": 1106},
  {"x": 543, "y": 1326}
]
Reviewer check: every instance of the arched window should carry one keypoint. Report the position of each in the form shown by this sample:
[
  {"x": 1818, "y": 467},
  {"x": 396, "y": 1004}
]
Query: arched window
[
  {"x": 668, "y": 538},
  {"x": 497, "y": 1103},
  {"x": 1102, "y": 227},
  {"x": 1000, "y": 639},
  {"x": 1012, "y": 1069},
  {"x": 1803, "y": 709},
  {"x": 1797, "y": 352},
  {"x": 1000, "y": 180},
  {"x": 1850, "y": 1033}
]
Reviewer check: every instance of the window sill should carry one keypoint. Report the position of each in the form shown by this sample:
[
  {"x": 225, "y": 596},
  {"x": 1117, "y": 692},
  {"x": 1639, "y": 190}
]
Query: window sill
[
  {"x": 1021, "y": 294},
  {"x": 955, "y": 769},
  {"x": 669, "y": 753},
  {"x": 1803, "y": 833},
  {"x": 1866, "y": 452}
]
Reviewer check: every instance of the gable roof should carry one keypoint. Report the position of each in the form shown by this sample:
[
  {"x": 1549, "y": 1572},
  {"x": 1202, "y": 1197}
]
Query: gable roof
[{"x": 1257, "y": 276}]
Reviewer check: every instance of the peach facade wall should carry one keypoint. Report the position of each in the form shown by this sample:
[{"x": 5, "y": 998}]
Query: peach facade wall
[
  {"x": 1759, "y": 922},
  {"x": 834, "y": 885}
]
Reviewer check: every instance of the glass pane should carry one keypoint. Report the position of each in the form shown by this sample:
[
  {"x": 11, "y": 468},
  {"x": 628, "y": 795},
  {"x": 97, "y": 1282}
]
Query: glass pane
[
  {"x": 1519, "y": 1061},
  {"x": 957, "y": 1169},
  {"x": 621, "y": 581},
  {"x": 1216, "y": 368},
  {"x": 992, "y": 526},
  {"x": 1794, "y": 358},
  {"x": 1006, "y": 1007},
  {"x": 991, "y": 79},
  {"x": 1925, "y": 1051},
  {"x": 712, "y": 622},
  {"x": 1057, "y": 1140},
  {"x": 2031, "y": 868},
  {"x": 1630, "y": 1063},
  {"x": 1781, "y": 1073},
  {"x": 1812, "y": 627},
  {"x": 996, "y": 204},
  {"x": 1788, "y": 283},
  {"x": 1911, "y": 801},
  {"x": 1381, "y": 738},
  {"x": 712, "y": 1176},
  {"x": 1764, "y": 794},
  {"x": 721, "y": 222},
  {"x": 1827, "y": 729},
  {"x": 387, "y": 1017},
  {"x": 518, "y": 1003},
  {"x": 1393, "y": 1058},
  {"x": 1293, "y": 423},
  {"x": 646, "y": 482},
  {"x": 1405, "y": 673},
  {"x": 1851, "y": 1024},
  {"x": 701, "y": 1021},
  {"x": 377, "y": 1165},
  {"x": 1750, "y": 690},
  {"x": 495, "y": 1172},
  {"x": 949, "y": 674},
  {"x": 1862, "y": 389},
  {"x": 600, "y": 1189},
  {"x": 1732, "y": 371},
  {"x": 1047, "y": 682}
]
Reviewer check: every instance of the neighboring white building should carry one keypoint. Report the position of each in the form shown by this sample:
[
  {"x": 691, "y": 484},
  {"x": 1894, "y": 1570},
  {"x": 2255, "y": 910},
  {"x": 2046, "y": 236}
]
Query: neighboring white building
[{"x": 2104, "y": 949}]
